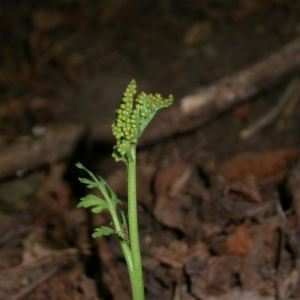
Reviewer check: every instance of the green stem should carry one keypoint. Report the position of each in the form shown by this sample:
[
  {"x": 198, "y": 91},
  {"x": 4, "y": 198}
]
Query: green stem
[
  {"x": 125, "y": 248},
  {"x": 137, "y": 283}
]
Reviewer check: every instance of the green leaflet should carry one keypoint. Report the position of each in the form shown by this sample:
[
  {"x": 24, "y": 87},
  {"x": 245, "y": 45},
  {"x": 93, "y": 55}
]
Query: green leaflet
[
  {"x": 103, "y": 231},
  {"x": 80, "y": 166},
  {"x": 89, "y": 184},
  {"x": 111, "y": 199},
  {"x": 92, "y": 200}
]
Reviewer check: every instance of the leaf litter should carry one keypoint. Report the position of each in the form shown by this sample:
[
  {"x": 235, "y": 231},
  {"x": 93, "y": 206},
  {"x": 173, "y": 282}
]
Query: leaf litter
[{"x": 210, "y": 225}]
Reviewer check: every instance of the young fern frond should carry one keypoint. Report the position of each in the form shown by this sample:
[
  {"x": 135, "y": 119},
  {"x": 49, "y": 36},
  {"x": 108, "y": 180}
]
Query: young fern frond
[
  {"x": 99, "y": 204},
  {"x": 131, "y": 119}
]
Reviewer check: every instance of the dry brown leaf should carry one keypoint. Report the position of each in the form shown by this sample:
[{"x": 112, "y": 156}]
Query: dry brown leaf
[
  {"x": 178, "y": 253},
  {"x": 266, "y": 167},
  {"x": 213, "y": 277},
  {"x": 239, "y": 294},
  {"x": 239, "y": 242},
  {"x": 168, "y": 184},
  {"x": 239, "y": 191},
  {"x": 170, "y": 180},
  {"x": 262, "y": 258},
  {"x": 174, "y": 256},
  {"x": 168, "y": 212}
]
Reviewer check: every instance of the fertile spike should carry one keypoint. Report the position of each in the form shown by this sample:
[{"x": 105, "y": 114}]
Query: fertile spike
[{"x": 133, "y": 116}]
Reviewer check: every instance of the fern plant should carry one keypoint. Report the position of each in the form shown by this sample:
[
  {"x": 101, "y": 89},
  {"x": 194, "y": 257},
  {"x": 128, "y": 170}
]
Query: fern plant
[{"x": 132, "y": 118}]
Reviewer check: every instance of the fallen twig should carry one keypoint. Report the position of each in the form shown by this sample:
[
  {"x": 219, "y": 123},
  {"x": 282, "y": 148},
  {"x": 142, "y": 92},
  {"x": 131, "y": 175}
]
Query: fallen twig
[
  {"x": 12, "y": 280},
  {"x": 232, "y": 89},
  {"x": 289, "y": 109},
  {"x": 193, "y": 111},
  {"x": 56, "y": 144},
  {"x": 28, "y": 289},
  {"x": 209, "y": 101},
  {"x": 292, "y": 89},
  {"x": 11, "y": 234}
]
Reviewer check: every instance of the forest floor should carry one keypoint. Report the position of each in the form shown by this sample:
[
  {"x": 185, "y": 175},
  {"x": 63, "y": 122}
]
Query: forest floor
[{"x": 218, "y": 214}]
